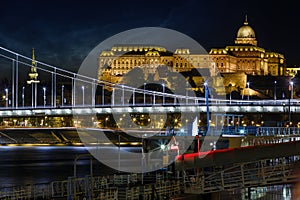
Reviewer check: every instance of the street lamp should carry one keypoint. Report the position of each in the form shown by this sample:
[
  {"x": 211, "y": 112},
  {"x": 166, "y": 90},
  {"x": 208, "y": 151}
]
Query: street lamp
[
  {"x": 275, "y": 82},
  {"x": 292, "y": 88},
  {"x": 163, "y": 85},
  {"x": 102, "y": 96},
  {"x": 62, "y": 95},
  {"x": 23, "y": 96},
  {"x": 207, "y": 106},
  {"x": 144, "y": 94},
  {"x": 186, "y": 91},
  {"x": 133, "y": 96},
  {"x": 106, "y": 121},
  {"x": 82, "y": 87},
  {"x": 230, "y": 85},
  {"x": 6, "y": 96},
  {"x": 248, "y": 84},
  {"x": 123, "y": 100},
  {"x": 44, "y": 89}
]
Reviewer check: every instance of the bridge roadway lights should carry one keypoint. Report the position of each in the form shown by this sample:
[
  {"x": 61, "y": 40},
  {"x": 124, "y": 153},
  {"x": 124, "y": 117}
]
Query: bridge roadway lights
[{"x": 8, "y": 112}]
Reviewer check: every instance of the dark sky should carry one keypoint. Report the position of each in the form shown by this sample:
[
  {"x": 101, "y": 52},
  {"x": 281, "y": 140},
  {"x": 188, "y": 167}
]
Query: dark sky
[{"x": 63, "y": 32}]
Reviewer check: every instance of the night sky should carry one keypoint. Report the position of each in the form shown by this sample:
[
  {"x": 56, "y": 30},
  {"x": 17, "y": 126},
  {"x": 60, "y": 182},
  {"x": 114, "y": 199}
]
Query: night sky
[{"x": 63, "y": 32}]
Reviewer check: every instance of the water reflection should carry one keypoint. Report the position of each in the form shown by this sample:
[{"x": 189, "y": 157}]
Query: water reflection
[{"x": 21, "y": 165}]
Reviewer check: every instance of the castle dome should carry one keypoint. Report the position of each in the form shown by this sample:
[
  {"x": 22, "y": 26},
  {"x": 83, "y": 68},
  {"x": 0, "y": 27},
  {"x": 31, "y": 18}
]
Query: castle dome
[
  {"x": 246, "y": 34},
  {"x": 246, "y": 31}
]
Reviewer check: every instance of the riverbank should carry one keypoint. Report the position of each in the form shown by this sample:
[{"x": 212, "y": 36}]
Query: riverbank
[{"x": 65, "y": 136}]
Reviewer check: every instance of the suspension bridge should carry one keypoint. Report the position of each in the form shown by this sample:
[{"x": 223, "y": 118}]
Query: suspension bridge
[{"x": 83, "y": 92}]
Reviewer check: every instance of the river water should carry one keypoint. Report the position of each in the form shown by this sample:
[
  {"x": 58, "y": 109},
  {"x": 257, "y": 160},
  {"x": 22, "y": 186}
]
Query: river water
[{"x": 22, "y": 165}]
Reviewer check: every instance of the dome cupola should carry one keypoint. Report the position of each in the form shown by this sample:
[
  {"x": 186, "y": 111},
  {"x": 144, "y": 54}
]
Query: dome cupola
[{"x": 246, "y": 34}]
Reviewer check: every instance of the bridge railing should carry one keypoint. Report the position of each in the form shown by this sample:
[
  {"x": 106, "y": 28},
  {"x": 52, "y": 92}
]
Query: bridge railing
[
  {"x": 121, "y": 187},
  {"x": 26, "y": 192},
  {"x": 271, "y": 131},
  {"x": 252, "y": 174}
]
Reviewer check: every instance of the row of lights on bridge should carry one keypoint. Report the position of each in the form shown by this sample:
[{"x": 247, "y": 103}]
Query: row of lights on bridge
[
  {"x": 6, "y": 98},
  {"x": 291, "y": 88}
]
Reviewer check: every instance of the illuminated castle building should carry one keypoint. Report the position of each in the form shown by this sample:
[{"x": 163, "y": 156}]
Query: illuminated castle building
[
  {"x": 242, "y": 57},
  {"x": 118, "y": 61},
  {"x": 245, "y": 56}
]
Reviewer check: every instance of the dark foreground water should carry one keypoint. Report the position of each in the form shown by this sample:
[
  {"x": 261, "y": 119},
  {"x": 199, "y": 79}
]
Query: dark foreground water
[{"x": 30, "y": 165}]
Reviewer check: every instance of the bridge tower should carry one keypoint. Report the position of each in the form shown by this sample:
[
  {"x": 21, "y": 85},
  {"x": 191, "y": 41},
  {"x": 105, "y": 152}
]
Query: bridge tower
[{"x": 33, "y": 80}]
